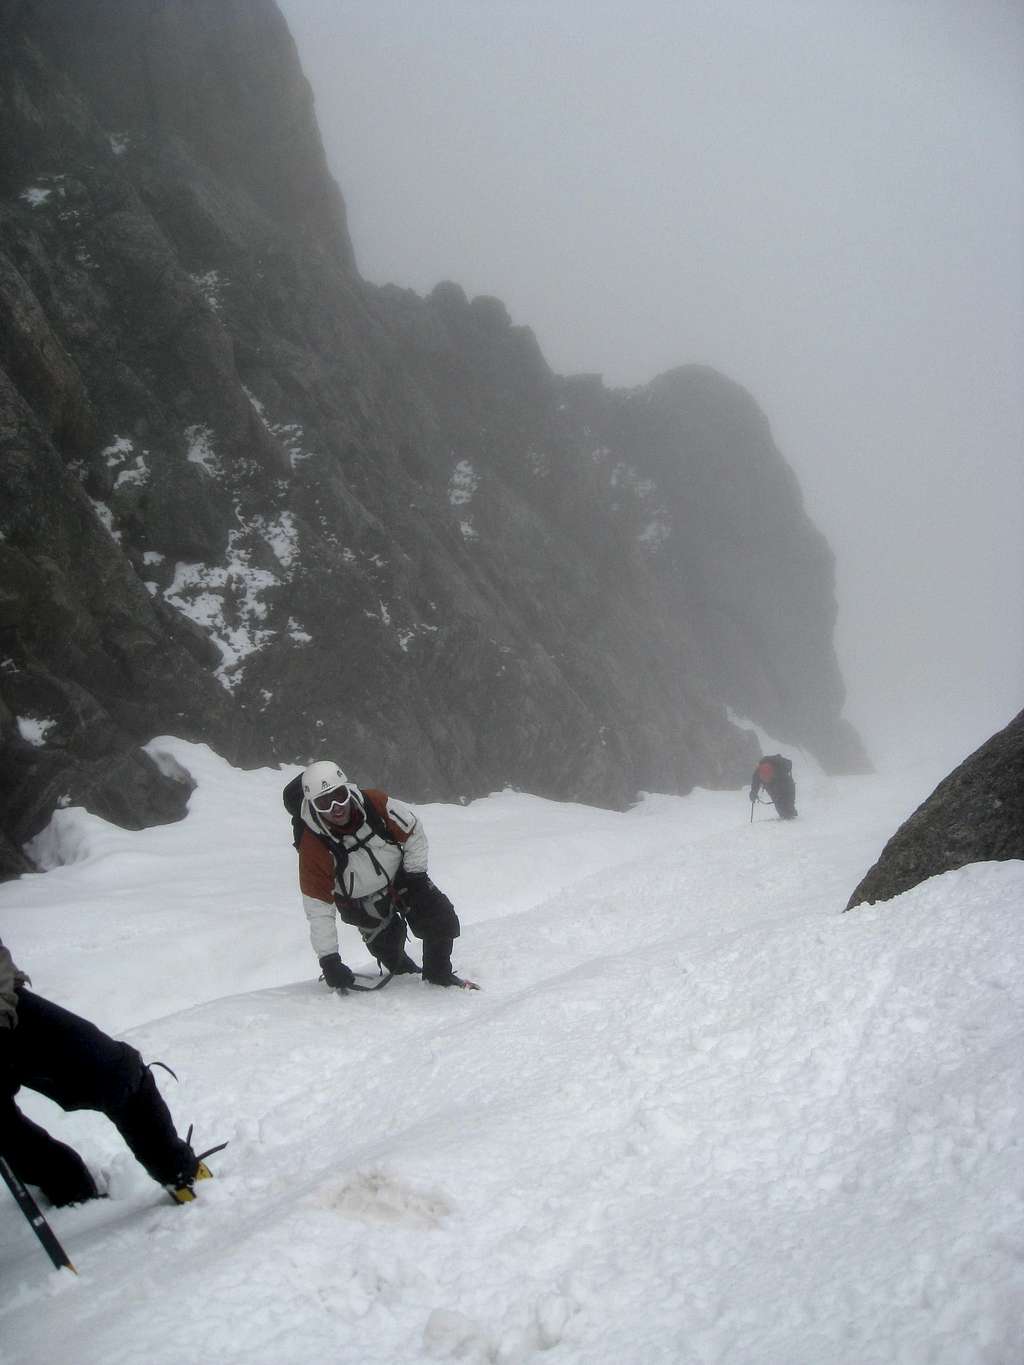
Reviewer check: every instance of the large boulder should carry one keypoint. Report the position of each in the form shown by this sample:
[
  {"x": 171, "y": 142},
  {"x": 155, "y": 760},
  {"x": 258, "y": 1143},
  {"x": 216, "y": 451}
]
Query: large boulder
[{"x": 974, "y": 815}]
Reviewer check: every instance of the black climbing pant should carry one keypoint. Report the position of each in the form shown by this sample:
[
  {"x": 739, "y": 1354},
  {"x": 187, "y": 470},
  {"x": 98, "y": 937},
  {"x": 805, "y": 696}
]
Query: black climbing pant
[{"x": 78, "y": 1066}]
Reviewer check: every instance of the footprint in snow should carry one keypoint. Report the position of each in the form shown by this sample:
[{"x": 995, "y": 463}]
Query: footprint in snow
[{"x": 377, "y": 1197}]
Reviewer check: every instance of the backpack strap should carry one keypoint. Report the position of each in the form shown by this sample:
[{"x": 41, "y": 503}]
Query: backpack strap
[
  {"x": 375, "y": 808},
  {"x": 374, "y": 818},
  {"x": 378, "y": 827},
  {"x": 342, "y": 851}
]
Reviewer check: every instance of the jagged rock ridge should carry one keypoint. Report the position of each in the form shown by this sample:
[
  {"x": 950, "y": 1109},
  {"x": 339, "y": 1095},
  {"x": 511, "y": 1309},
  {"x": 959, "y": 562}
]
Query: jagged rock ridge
[
  {"x": 253, "y": 500},
  {"x": 974, "y": 815}
]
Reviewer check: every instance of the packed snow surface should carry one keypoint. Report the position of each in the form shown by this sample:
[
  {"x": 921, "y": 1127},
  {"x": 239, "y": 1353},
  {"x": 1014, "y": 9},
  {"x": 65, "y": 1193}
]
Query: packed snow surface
[{"x": 696, "y": 1113}]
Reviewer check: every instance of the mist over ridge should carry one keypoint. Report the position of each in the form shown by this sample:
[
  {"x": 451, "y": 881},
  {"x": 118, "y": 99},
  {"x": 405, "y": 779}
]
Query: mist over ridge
[
  {"x": 825, "y": 204},
  {"x": 298, "y": 513}
]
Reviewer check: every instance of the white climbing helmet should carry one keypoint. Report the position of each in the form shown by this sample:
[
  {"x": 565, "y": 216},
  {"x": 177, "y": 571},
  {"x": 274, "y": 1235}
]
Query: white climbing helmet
[{"x": 322, "y": 777}]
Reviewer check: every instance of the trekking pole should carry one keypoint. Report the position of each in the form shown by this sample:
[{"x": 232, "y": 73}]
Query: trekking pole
[
  {"x": 36, "y": 1221},
  {"x": 752, "y": 804}
]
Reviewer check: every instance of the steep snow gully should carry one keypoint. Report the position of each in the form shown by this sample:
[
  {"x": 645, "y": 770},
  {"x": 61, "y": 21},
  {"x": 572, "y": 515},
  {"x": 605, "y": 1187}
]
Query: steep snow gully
[{"x": 695, "y": 1115}]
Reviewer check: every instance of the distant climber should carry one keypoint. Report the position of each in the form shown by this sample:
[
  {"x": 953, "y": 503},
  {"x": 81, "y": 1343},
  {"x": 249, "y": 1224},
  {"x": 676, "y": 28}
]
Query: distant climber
[
  {"x": 775, "y": 774},
  {"x": 70, "y": 1061},
  {"x": 363, "y": 857}
]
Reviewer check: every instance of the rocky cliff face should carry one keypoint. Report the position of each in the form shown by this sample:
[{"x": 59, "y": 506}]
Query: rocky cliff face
[
  {"x": 250, "y": 499},
  {"x": 974, "y": 815}
]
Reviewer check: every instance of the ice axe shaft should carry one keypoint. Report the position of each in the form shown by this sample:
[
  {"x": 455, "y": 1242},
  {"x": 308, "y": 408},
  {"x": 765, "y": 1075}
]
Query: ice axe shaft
[{"x": 35, "y": 1218}]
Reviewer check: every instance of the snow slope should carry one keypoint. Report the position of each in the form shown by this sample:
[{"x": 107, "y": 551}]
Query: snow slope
[{"x": 695, "y": 1115}]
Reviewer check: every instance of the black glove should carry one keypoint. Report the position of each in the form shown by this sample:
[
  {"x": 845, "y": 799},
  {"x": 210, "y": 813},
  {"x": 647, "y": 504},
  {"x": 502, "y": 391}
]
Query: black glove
[
  {"x": 429, "y": 911},
  {"x": 336, "y": 974},
  {"x": 421, "y": 894},
  {"x": 753, "y": 796}
]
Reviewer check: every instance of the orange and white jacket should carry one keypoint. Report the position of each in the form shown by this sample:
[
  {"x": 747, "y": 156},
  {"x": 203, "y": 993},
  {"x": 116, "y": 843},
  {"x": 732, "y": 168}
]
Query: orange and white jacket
[{"x": 372, "y": 864}]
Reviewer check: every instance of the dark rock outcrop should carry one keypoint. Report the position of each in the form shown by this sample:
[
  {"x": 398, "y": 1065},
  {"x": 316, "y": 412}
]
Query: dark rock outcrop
[
  {"x": 974, "y": 815},
  {"x": 250, "y": 499}
]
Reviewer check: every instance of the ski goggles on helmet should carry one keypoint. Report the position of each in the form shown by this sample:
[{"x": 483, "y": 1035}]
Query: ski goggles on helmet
[{"x": 331, "y": 803}]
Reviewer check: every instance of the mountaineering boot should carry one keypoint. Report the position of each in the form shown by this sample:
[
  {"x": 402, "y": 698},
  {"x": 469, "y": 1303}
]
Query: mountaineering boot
[
  {"x": 437, "y": 961},
  {"x": 36, "y": 1158},
  {"x": 437, "y": 964},
  {"x": 452, "y": 980},
  {"x": 182, "y": 1187},
  {"x": 388, "y": 947},
  {"x": 184, "y": 1192},
  {"x": 403, "y": 966}
]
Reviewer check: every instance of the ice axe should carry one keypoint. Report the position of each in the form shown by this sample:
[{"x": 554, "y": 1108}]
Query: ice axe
[{"x": 34, "y": 1217}]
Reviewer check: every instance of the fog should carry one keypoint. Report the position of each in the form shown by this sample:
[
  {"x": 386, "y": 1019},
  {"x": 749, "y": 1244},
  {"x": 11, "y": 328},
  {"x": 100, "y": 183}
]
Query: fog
[{"x": 824, "y": 200}]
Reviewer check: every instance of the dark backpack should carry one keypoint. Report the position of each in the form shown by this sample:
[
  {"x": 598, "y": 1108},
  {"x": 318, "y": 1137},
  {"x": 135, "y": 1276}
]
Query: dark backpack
[{"x": 292, "y": 798}]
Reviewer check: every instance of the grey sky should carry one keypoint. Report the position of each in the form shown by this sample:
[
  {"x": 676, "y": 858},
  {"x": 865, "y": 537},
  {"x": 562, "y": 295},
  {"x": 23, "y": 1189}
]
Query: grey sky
[{"x": 825, "y": 200}]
